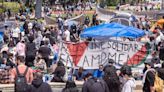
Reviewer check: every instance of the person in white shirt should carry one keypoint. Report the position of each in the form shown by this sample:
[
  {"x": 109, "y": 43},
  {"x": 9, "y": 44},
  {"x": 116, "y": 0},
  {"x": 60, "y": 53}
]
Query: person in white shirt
[
  {"x": 16, "y": 34},
  {"x": 20, "y": 48},
  {"x": 130, "y": 82},
  {"x": 67, "y": 35}
]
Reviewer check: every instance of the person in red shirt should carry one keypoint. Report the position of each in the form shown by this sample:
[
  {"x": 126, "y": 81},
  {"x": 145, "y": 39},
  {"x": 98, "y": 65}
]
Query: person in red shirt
[{"x": 22, "y": 67}]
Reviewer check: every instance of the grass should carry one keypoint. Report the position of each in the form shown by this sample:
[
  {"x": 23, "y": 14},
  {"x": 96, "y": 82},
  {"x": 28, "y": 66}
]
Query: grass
[
  {"x": 14, "y": 6},
  {"x": 1, "y": 10},
  {"x": 90, "y": 16},
  {"x": 63, "y": 15},
  {"x": 111, "y": 7}
]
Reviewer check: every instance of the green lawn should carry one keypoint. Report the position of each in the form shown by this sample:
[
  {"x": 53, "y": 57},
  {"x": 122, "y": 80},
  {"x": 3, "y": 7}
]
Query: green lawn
[
  {"x": 111, "y": 7},
  {"x": 90, "y": 16},
  {"x": 63, "y": 15}
]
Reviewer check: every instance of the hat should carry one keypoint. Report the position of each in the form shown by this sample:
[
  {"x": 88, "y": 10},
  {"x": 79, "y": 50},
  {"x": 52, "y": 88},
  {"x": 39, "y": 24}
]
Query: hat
[
  {"x": 111, "y": 61},
  {"x": 126, "y": 70},
  {"x": 149, "y": 63}
]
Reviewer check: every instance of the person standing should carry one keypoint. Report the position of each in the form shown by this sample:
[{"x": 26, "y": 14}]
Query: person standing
[
  {"x": 59, "y": 72},
  {"x": 21, "y": 75},
  {"x": 30, "y": 52},
  {"x": 99, "y": 72},
  {"x": 6, "y": 36},
  {"x": 38, "y": 39},
  {"x": 149, "y": 77},
  {"x": 16, "y": 33},
  {"x": 112, "y": 80},
  {"x": 8, "y": 13},
  {"x": 70, "y": 87},
  {"x": 45, "y": 51},
  {"x": 161, "y": 50},
  {"x": 21, "y": 68},
  {"x": 130, "y": 82},
  {"x": 109, "y": 67},
  {"x": 38, "y": 85},
  {"x": 94, "y": 18},
  {"x": 67, "y": 35},
  {"x": 95, "y": 85},
  {"x": 21, "y": 48},
  {"x": 161, "y": 71}
]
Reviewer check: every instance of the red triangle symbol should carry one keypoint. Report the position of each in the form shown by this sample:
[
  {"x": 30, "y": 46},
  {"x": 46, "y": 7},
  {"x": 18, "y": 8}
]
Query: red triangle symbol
[
  {"x": 138, "y": 57},
  {"x": 76, "y": 51}
]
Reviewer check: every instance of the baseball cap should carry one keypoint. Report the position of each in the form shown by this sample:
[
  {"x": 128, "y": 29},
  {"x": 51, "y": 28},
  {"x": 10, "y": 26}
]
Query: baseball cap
[
  {"x": 148, "y": 62},
  {"x": 111, "y": 61}
]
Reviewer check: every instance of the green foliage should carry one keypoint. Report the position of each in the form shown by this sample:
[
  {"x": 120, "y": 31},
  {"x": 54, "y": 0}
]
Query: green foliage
[
  {"x": 14, "y": 6},
  {"x": 1, "y": 10},
  {"x": 112, "y": 2}
]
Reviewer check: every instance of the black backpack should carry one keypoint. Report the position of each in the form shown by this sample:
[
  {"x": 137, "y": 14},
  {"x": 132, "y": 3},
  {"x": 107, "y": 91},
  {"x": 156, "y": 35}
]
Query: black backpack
[{"x": 21, "y": 81}]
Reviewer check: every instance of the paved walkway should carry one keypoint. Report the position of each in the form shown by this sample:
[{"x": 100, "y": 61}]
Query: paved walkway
[{"x": 57, "y": 87}]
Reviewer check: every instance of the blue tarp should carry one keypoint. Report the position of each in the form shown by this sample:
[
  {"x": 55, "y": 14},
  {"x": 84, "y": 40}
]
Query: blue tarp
[{"x": 112, "y": 30}]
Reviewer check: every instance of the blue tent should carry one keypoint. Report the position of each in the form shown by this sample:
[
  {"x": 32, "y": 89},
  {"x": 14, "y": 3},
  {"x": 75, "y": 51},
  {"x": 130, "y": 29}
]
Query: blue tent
[{"x": 112, "y": 30}]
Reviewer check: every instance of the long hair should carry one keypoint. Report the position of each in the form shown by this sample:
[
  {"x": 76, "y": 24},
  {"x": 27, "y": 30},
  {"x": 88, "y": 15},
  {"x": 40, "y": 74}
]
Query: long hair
[
  {"x": 70, "y": 87},
  {"x": 112, "y": 81},
  {"x": 70, "y": 84}
]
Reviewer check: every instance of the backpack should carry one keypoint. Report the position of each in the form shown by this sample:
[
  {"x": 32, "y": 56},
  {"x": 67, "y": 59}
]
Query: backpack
[
  {"x": 158, "y": 83},
  {"x": 21, "y": 81}
]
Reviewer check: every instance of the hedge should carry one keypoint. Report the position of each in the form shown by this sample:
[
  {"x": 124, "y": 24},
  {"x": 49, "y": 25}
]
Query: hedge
[{"x": 14, "y": 6}]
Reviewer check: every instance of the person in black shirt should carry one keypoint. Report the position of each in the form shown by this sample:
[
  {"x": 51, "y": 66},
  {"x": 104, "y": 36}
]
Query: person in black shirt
[
  {"x": 10, "y": 61},
  {"x": 94, "y": 19},
  {"x": 161, "y": 72},
  {"x": 149, "y": 77},
  {"x": 45, "y": 51},
  {"x": 30, "y": 52},
  {"x": 59, "y": 72},
  {"x": 70, "y": 87},
  {"x": 110, "y": 66},
  {"x": 38, "y": 85}
]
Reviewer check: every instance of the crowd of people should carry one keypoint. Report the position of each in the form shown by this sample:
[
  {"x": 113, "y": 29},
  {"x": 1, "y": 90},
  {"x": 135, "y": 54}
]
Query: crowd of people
[
  {"x": 148, "y": 6},
  {"x": 29, "y": 58}
]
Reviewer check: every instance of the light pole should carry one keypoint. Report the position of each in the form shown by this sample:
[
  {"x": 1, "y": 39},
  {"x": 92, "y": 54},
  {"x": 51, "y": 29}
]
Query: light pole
[
  {"x": 162, "y": 5},
  {"x": 3, "y": 5},
  {"x": 38, "y": 10}
]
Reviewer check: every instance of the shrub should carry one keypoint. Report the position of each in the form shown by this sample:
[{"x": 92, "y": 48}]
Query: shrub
[{"x": 14, "y": 6}]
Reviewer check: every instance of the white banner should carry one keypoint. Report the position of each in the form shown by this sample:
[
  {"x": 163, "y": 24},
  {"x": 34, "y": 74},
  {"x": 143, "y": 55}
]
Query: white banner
[{"x": 90, "y": 55}]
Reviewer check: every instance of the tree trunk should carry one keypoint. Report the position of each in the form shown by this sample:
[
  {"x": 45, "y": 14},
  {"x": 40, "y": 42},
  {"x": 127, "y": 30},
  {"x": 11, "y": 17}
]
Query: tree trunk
[{"x": 38, "y": 9}]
